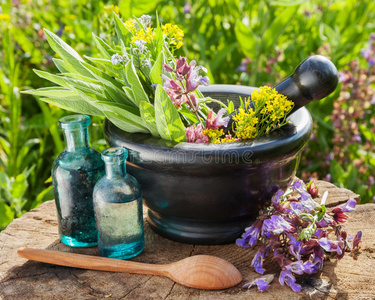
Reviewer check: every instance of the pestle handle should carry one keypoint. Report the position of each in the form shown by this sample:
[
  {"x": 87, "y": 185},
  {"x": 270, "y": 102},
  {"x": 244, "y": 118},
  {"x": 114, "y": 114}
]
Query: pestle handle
[{"x": 314, "y": 78}]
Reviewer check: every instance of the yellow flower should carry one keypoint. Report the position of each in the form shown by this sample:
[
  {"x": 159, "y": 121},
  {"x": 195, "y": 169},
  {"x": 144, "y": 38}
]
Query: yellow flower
[
  {"x": 130, "y": 25},
  {"x": 112, "y": 7},
  {"x": 270, "y": 110},
  {"x": 213, "y": 134},
  {"x": 68, "y": 28},
  {"x": 4, "y": 17},
  {"x": 148, "y": 34},
  {"x": 173, "y": 34},
  {"x": 246, "y": 122}
]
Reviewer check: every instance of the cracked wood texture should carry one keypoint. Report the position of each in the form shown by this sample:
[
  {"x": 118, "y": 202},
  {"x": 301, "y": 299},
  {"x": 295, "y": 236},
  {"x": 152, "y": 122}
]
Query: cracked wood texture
[{"x": 22, "y": 279}]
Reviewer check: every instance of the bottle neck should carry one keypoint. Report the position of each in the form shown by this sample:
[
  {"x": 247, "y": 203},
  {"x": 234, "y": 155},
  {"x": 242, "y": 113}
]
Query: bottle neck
[
  {"x": 76, "y": 138},
  {"x": 115, "y": 169}
]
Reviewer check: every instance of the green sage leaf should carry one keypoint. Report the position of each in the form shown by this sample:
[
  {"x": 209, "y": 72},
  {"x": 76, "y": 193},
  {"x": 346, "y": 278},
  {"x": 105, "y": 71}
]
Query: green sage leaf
[
  {"x": 168, "y": 122},
  {"x": 109, "y": 84},
  {"x": 103, "y": 47},
  {"x": 121, "y": 31},
  {"x": 147, "y": 111},
  {"x": 60, "y": 65},
  {"x": 123, "y": 118},
  {"x": 132, "y": 78},
  {"x": 74, "y": 104},
  {"x": 67, "y": 53},
  {"x": 157, "y": 69}
]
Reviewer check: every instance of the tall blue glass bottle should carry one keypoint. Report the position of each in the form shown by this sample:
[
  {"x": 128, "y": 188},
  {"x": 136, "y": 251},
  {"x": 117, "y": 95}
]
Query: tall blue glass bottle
[
  {"x": 118, "y": 208},
  {"x": 75, "y": 173}
]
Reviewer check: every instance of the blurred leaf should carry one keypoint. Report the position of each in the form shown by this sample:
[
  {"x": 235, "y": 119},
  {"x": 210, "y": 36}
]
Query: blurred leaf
[
  {"x": 6, "y": 214},
  {"x": 287, "y": 2},
  {"x": 336, "y": 171},
  {"x": 277, "y": 27},
  {"x": 19, "y": 186},
  {"x": 247, "y": 39},
  {"x": 351, "y": 178},
  {"x": 220, "y": 56},
  {"x": 4, "y": 180},
  {"x": 130, "y": 8},
  {"x": 367, "y": 133},
  {"x": 45, "y": 195}
]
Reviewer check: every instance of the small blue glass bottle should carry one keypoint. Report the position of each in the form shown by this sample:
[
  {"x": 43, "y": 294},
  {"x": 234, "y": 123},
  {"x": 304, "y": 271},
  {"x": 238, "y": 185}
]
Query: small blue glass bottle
[
  {"x": 74, "y": 174},
  {"x": 118, "y": 208}
]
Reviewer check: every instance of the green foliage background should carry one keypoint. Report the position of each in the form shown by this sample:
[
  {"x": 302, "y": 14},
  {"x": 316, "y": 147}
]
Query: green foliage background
[{"x": 274, "y": 35}]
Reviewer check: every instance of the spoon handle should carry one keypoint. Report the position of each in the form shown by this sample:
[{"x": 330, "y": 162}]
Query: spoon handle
[{"x": 91, "y": 262}]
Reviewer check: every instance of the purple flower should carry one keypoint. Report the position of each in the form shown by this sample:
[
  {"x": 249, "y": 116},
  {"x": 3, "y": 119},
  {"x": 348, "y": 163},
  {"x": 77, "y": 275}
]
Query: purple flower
[
  {"x": 332, "y": 246},
  {"x": 168, "y": 68},
  {"x": 257, "y": 261},
  {"x": 187, "y": 8},
  {"x": 298, "y": 185},
  {"x": 295, "y": 247},
  {"x": 297, "y": 207},
  {"x": 296, "y": 267},
  {"x": 193, "y": 79},
  {"x": 275, "y": 225},
  {"x": 313, "y": 265},
  {"x": 349, "y": 206},
  {"x": 214, "y": 122},
  {"x": 307, "y": 13},
  {"x": 277, "y": 197},
  {"x": 287, "y": 277},
  {"x": 365, "y": 53},
  {"x": 305, "y": 196},
  {"x": 357, "y": 239},
  {"x": 262, "y": 283},
  {"x": 244, "y": 65},
  {"x": 174, "y": 91},
  {"x": 251, "y": 235}
]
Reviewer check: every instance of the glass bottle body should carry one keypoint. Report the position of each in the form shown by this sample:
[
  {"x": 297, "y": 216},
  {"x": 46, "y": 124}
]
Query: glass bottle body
[
  {"x": 74, "y": 174},
  {"x": 118, "y": 209}
]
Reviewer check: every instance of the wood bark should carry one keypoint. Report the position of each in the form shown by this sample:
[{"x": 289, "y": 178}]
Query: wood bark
[{"x": 22, "y": 279}]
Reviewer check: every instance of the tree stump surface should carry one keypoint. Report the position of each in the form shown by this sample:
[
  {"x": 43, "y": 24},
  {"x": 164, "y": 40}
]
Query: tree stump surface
[{"x": 22, "y": 279}]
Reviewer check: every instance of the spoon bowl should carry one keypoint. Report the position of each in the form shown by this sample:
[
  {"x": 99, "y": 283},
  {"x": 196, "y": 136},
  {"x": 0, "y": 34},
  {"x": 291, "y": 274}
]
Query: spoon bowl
[{"x": 199, "y": 271}]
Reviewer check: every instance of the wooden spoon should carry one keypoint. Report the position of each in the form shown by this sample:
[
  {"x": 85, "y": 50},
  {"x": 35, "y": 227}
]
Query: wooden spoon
[{"x": 199, "y": 271}]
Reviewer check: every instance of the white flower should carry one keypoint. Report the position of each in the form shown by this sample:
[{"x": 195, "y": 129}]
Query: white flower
[{"x": 116, "y": 59}]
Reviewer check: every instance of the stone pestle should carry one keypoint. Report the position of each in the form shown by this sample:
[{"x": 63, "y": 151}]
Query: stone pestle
[{"x": 314, "y": 78}]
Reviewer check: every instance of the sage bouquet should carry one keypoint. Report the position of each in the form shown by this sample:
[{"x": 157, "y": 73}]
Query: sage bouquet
[
  {"x": 299, "y": 234},
  {"x": 140, "y": 86}
]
